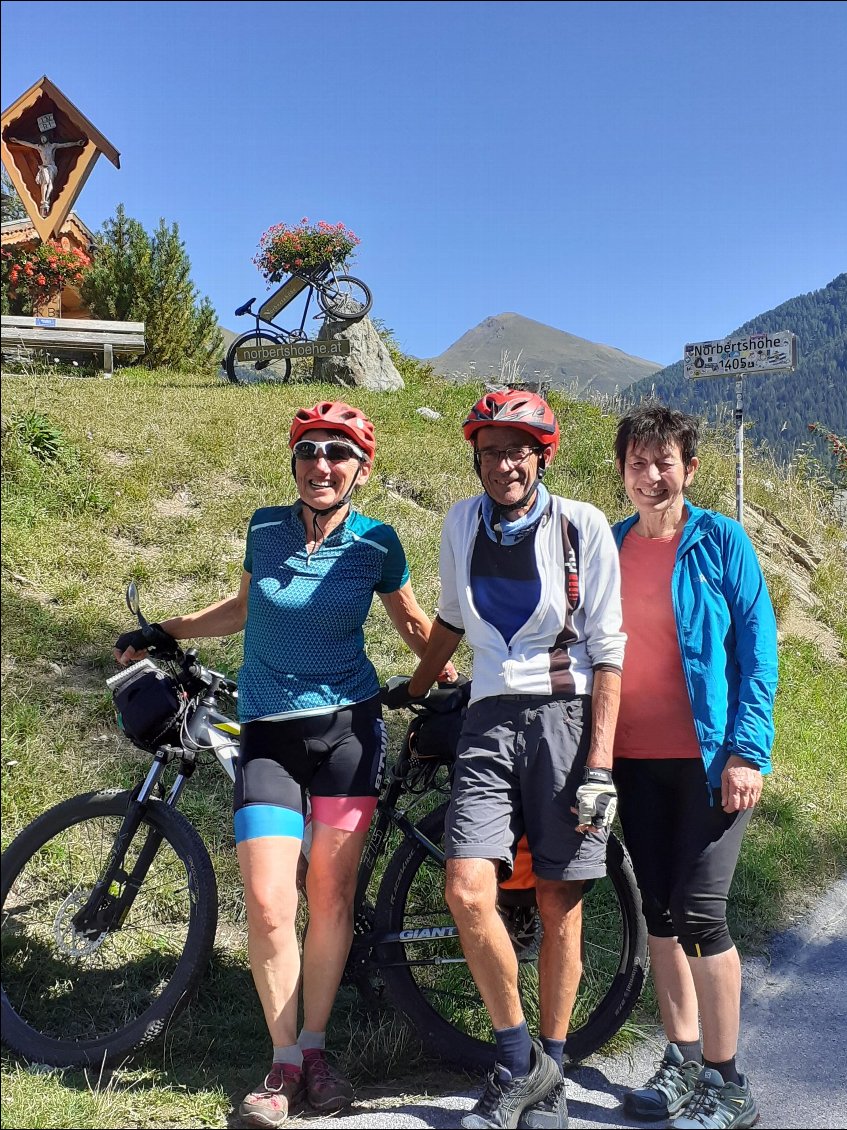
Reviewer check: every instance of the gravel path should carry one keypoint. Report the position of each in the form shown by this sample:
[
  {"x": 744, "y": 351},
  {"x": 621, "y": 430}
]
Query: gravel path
[{"x": 793, "y": 1041}]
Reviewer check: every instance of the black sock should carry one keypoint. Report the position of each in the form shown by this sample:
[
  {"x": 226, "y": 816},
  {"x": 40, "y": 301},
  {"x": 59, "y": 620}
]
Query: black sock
[
  {"x": 556, "y": 1050},
  {"x": 727, "y": 1070},
  {"x": 691, "y": 1053},
  {"x": 514, "y": 1048}
]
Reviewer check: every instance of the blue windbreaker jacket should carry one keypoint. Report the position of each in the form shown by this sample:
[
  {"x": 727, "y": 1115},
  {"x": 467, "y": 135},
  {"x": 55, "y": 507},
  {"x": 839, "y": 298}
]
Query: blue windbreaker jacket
[{"x": 727, "y": 639}]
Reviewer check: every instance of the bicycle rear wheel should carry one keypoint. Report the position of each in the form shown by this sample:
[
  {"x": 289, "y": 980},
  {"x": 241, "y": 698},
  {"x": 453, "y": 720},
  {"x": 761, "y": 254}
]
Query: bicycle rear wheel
[
  {"x": 70, "y": 1000},
  {"x": 344, "y": 297},
  {"x": 256, "y": 365},
  {"x": 428, "y": 978}
]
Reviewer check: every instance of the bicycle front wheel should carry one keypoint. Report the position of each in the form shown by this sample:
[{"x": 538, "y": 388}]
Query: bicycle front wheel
[
  {"x": 342, "y": 296},
  {"x": 70, "y": 1000},
  {"x": 258, "y": 362},
  {"x": 428, "y": 978}
]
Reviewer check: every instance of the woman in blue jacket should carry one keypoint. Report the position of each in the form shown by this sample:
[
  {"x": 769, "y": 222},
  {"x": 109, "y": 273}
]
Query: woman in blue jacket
[{"x": 692, "y": 744}]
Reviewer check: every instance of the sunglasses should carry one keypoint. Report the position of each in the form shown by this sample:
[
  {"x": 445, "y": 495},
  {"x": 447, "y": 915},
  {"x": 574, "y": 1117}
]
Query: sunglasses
[{"x": 333, "y": 450}]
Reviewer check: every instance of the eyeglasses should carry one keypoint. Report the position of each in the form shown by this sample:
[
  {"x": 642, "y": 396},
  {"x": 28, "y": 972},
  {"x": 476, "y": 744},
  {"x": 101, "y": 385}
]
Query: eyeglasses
[
  {"x": 513, "y": 455},
  {"x": 333, "y": 450}
]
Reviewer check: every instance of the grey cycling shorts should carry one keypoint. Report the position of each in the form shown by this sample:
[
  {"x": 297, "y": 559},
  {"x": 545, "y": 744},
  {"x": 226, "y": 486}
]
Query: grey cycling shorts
[{"x": 519, "y": 761}]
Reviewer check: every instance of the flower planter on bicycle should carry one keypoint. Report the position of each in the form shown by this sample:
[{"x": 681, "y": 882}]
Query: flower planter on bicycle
[
  {"x": 110, "y": 902},
  {"x": 307, "y": 257}
]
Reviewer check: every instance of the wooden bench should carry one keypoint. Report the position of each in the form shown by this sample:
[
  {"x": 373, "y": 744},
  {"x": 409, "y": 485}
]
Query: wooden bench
[{"x": 21, "y": 336}]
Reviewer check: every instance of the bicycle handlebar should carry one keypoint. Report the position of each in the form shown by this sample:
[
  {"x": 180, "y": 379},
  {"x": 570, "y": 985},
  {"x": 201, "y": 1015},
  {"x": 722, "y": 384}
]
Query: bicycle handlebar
[
  {"x": 193, "y": 670},
  {"x": 444, "y": 698}
]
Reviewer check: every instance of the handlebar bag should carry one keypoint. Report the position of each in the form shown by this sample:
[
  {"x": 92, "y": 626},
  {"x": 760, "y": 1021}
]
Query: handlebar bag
[
  {"x": 150, "y": 709},
  {"x": 434, "y": 737}
]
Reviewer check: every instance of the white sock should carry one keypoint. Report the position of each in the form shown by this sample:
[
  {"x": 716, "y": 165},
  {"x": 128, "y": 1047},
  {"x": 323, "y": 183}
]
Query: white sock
[{"x": 289, "y": 1053}]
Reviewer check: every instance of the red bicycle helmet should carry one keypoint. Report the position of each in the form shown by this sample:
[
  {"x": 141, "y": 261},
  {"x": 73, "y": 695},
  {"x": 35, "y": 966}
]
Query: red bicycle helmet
[
  {"x": 335, "y": 416},
  {"x": 514, "y": 409}
]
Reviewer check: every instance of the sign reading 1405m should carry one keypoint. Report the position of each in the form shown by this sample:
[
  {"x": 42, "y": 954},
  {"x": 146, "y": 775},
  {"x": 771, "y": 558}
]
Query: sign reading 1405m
[{"x": 738, "y": 357}]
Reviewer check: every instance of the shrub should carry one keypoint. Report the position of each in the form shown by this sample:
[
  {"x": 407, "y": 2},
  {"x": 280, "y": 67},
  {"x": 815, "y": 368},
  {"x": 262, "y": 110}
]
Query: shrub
[
  {"x": 139, "y": 277},
  {"x": 33, "y": 276}
]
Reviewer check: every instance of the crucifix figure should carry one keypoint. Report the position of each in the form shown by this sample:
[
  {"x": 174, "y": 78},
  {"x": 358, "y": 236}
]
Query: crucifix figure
[{"x": 47, "y": 170}]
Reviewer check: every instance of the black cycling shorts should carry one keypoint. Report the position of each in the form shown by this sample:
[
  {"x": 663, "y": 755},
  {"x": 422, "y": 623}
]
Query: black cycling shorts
[{"x": 336, "y": 759}]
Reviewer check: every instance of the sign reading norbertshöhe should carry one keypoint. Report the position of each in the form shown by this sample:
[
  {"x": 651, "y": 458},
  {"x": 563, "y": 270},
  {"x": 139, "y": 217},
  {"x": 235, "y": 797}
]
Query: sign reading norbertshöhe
[
  {"x": 742, "y": 356},
  {"x": 264, "y": 352}
]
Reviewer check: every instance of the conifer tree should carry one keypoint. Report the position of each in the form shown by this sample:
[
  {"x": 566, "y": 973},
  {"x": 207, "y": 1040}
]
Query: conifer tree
[
  {"x": 11, "y": 208},
  {"x": 119, "y": 280},
  {"x": 138, "y": 277},
  {"x": 11, "y": 205}
]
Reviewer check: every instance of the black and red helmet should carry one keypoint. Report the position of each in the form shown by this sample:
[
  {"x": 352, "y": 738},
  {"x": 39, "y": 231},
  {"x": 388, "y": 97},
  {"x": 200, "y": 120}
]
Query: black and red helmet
[
  {"x": 514, "y": 409},
  {"x": 335, "y": 416}
]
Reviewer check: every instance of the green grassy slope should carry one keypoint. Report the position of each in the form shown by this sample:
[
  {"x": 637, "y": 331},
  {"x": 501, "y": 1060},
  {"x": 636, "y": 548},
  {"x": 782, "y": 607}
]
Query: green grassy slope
[{"x": 153, "y": 476}]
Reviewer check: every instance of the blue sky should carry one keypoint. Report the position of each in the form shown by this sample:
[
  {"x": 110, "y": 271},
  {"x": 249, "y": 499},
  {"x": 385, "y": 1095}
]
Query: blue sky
[{"x": 639, "y": 174}]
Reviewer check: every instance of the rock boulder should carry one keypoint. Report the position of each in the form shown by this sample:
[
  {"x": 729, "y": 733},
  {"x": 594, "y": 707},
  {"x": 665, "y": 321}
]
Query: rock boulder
[{"x": 368, "y": 364}]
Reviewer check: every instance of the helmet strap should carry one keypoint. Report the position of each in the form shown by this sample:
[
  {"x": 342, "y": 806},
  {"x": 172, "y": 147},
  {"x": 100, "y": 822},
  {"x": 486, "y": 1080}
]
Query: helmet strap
[{"x": 319, "y": 512}]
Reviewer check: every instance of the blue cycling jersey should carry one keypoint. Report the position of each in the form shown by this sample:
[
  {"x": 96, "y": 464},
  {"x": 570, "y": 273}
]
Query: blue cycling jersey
[{"x": 304, "y": 640}]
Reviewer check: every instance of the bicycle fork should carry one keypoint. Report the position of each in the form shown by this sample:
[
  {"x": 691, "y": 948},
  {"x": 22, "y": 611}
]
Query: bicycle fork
[{"x": 112, "y": 896}]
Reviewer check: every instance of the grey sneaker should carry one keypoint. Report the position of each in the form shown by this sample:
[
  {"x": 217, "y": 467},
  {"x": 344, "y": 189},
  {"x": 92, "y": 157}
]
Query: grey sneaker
[
  {"x": 280, "y": 1095},
  {"x": 550, "y": 1114},
  {"x": 665, "y": 1093},
  {"x": 716, "y": 1105},
  {"x": 505, "y": 1097}
]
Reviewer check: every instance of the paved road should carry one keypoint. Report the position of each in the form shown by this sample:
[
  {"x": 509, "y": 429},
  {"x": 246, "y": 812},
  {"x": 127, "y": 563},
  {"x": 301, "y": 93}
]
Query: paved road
[{"x": 793, "y": 1043}]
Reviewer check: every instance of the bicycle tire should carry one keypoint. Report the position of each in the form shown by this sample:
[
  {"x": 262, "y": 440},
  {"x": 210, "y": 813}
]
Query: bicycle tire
[
  {"x": 275, "y": 371},
  {"x": 344, "y": 297},
  {"x": 69, "y": 1001},
  {"x": 441, "y": 1000}
]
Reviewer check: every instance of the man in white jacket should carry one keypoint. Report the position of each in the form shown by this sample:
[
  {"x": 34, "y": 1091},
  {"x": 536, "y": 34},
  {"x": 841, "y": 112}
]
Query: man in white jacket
[{"x": 532, "y": 580}]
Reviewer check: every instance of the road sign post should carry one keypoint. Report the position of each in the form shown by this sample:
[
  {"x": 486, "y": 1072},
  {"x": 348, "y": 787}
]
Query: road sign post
[{"x": 741, "y": 357}]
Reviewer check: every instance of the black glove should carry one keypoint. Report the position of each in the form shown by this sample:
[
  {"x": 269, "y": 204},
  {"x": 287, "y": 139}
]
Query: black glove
[
  {"x": 395, "y": 693},
  {"x": 597, "y": 798},
  {"x": 154, "y": 635}
]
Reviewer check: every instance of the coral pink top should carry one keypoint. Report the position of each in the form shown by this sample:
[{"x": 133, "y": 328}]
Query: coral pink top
[{"x": 655, "y": 718}]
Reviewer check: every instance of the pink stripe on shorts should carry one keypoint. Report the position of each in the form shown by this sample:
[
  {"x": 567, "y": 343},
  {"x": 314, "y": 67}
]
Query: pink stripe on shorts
[{"x": 346, "y": 813}]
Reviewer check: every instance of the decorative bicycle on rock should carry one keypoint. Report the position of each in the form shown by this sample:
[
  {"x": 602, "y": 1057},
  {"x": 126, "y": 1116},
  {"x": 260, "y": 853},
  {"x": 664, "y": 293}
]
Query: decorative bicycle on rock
[
  {"x": 110, "y": 902},
  {"x": 256, "y": 353}
]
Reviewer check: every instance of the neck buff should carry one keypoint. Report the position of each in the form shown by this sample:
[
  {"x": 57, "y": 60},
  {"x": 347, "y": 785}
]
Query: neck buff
[{"x": 507, "y": 533}]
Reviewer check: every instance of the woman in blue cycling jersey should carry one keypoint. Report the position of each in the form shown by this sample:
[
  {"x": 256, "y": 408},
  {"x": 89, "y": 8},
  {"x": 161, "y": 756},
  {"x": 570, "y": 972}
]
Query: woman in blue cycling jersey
[{"x": 311, "y": 726}]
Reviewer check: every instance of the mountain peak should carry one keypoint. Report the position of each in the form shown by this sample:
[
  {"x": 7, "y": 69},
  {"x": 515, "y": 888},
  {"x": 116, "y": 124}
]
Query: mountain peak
[{"x": 512, "y": 347}]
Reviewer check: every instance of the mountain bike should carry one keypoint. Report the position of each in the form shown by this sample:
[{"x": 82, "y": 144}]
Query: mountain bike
[
  {"x": 110, "y": 901},
  {"x": 256, "y": 352}
]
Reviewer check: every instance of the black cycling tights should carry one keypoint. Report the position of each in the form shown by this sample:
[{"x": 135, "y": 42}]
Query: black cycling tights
[{"x": 684, "y": 850}]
